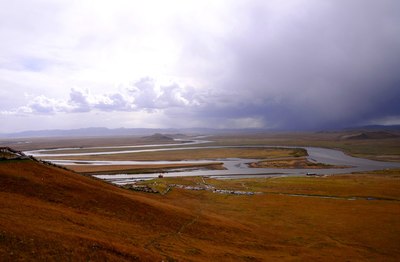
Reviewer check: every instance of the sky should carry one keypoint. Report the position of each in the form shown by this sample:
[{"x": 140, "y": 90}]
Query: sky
[{"x": 292, "y": 65}]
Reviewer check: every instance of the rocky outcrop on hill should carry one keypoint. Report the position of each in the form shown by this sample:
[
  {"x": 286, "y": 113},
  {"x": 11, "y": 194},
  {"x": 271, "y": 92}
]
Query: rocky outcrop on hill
[{"x": 7, "y": 153}]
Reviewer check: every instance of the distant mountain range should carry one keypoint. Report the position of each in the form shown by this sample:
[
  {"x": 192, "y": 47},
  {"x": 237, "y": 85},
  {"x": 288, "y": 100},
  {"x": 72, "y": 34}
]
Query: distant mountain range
[
  {"x": 103, "y": 131},
  {"x": 91, "y": 131}
]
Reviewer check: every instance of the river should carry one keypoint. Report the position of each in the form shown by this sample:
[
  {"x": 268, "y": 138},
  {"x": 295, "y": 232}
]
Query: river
[{"x": 235, "y": 167}]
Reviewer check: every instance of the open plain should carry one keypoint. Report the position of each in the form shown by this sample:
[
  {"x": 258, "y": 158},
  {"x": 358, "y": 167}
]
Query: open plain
[
  {"x": 52, "y": 214},
  {"x": 200, "y": 130}
]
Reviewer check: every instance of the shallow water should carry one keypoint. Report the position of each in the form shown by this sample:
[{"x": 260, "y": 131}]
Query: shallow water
[
  {"x": 238, "y": 168},
  {"x": 235, "y": 167},
  {"x": 45, "y": 152}
]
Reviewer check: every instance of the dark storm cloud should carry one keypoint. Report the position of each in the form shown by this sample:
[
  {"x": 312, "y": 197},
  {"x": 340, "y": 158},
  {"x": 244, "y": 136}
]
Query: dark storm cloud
[
  {"x": 315, "y": 64},
  {"x": 296, "y": 64}
]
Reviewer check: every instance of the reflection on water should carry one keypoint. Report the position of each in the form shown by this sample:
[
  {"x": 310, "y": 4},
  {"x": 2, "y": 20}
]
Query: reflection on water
[
  {"x": 238, "y": 168},
  {"x": 235, "y": 167},
  {"x": 125, "y": 149}
]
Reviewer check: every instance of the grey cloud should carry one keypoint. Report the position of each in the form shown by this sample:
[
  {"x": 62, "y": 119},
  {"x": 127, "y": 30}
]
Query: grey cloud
[
  {"x": 148, "y": 96},
  {"x": 42, "y": 107},
  {"x": 84, "y": 102},
  {"x": 78, "y": 101},
  {"x": 317, "y": 64},
  {"x": 172, "y": 96},
  {"x": 144, "y": 93},
  {"x": 114, "y": 102},
  {"x": 302, "y": 64}
]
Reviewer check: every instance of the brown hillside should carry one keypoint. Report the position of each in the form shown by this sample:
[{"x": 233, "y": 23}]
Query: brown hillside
[{"x": 52, "y": 214}]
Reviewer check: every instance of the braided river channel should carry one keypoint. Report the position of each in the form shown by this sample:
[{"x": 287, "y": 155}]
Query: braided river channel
[{"x": 234, "y": 167}]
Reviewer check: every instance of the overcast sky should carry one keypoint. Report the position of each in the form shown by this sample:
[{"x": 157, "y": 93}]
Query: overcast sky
[{"x": 308, "y": 64}]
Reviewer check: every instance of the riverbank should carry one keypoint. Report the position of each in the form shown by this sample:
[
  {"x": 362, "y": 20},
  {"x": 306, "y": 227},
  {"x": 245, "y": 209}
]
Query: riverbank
[
  {"x": 140, "y": 169},
  {"x": 295, "y": 163},
  {"x": 380, "y": 149},
  {"x": 235, "y": 161}
]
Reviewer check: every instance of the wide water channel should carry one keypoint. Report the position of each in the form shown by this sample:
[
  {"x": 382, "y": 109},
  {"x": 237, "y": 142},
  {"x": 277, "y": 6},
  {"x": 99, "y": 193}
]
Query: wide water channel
[{"x": 235, "y": 167}]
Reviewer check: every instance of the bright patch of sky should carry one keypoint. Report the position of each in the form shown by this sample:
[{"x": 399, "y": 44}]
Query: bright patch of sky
[{"x": 301, "y": 64}]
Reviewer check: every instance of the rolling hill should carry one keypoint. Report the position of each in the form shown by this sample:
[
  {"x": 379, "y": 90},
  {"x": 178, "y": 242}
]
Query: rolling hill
[
  {"x": 370, "y": 135},
  {"x": 51, "y": 214},
  {"x": 48, "y": 213}
]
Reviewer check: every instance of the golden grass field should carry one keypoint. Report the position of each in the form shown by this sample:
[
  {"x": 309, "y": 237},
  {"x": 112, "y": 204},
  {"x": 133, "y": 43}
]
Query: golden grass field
[
  {"x": 290, "y": 162},
  {"x": 194, "y": 154},
  {"x": 131, "y": 169},
  {"x": 50, "y": 214},
  {"x": 175, "y": 155}
]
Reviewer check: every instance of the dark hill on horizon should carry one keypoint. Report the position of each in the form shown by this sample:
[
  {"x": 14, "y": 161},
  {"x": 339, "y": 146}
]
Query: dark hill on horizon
[
  {"x": 370, "y": 135},
  {"x": 157, "y": 137}
]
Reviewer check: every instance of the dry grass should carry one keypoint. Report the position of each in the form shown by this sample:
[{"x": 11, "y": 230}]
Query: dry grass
[
  {"x": 379, "y": 149},
  {"x": 48, "y": 214},
  {"x": 298, "y": 163},
  {"x": 139, "y": 168},
  {"x": 195, "y": 154},
  {"x": 308, "y": 228}
]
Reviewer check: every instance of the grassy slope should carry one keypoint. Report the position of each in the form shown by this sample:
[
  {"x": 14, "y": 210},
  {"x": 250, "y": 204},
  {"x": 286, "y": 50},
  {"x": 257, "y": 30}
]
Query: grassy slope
[
  {"x": 48, "y": 213},
  {"x": 52, "y": 214}
]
